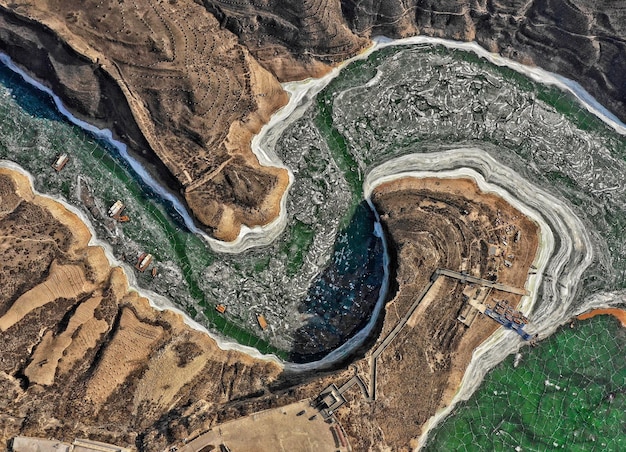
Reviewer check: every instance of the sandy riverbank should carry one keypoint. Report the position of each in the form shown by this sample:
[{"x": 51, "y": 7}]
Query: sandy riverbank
[{"x": 619, "y": 314}]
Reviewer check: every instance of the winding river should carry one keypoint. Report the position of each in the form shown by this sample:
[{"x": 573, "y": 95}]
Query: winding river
[{"x": 534, "y": 138}]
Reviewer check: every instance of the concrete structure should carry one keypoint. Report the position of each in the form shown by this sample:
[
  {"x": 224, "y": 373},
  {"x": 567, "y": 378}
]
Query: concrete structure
[
  {"x": 329, "y": 400},
  {"x": 26, "y": 444},
  {"x": 86, "y": 445},
  {"x": 294, "y": 427},
  {"x": 466, "y": 278}
]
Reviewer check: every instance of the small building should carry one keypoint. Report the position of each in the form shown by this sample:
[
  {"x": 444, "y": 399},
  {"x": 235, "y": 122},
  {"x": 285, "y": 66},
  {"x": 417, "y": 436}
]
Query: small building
[
  {"x": 27, "y": 444},
  {"x": 60, "y": 162},
  {"x": 115, "y": 212},
  {"x": 116, "y": 209},
  {"x": 143, "y": 261}
]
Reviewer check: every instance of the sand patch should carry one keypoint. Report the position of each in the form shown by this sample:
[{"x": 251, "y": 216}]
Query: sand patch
[
  {"x": 62, "y": 351},
  {"x": 619, "y": 314}
]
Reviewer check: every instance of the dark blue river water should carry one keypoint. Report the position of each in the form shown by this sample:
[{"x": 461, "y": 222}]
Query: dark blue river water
[{"x": 343, "y": 296}]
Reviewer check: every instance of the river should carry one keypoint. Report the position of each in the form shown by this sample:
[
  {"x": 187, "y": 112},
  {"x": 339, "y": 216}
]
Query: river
[{"x": 521, "y": 130}]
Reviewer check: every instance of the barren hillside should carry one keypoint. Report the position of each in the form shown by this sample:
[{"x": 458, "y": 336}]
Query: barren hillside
[
  {"x": 81, "y": 355},
  {"x": 186, "y": 83}
]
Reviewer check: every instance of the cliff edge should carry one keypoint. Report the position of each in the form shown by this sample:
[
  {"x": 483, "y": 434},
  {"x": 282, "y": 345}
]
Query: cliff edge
[{"x": 188, "y": 83}]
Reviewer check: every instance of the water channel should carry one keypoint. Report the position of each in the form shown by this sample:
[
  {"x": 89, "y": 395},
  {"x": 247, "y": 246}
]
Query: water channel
[{"x": 327, "y": 266}]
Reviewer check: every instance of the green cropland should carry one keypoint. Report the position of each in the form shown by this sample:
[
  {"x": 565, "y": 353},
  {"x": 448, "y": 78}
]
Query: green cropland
[{"x": 568, "y": 393}]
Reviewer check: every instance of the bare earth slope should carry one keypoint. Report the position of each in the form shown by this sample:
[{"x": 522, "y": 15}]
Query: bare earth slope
[
  {"x": 168, "y": 73},
  {"x": 186, "y": 83},
  {"x": 81, "y": 355},
  {"x": 440, "y": 223},
  {"x": 430, "y": 223}
]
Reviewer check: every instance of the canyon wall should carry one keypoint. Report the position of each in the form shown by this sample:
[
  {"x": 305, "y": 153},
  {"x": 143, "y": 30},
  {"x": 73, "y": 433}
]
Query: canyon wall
[
  {"x": 584, "y": 40},
  {"x": 187, "y": 83}
]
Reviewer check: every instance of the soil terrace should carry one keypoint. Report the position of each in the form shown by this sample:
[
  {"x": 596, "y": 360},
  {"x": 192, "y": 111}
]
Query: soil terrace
[
  {"x": 430, "y": 224},
  {"x": 187, "y": 83},
  {"x": 93, "y": 359},
  {"x": 81, "y": 355}
]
